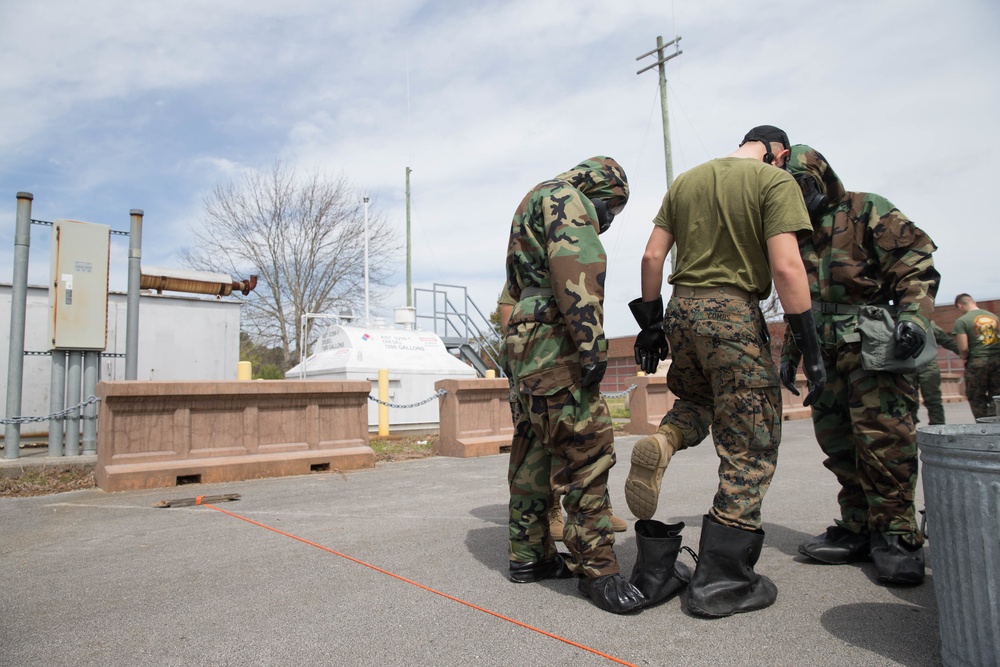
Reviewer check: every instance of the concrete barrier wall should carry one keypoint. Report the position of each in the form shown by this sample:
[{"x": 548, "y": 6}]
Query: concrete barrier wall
[
  {"x": 159, "y": 434},
  {"x": 475, "y": 417},
  {"x": 647, "y": 404}
]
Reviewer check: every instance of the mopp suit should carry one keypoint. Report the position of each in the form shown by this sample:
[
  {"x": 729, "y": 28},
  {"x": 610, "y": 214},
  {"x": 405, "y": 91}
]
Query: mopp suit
[
  {"x": 865, "y": 255},
  {"x": 557, "y": 354}
]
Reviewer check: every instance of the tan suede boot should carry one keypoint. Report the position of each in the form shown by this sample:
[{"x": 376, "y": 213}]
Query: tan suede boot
[
  {"x": 650, "y": 458},
  {"x": 618, "y": 525}
]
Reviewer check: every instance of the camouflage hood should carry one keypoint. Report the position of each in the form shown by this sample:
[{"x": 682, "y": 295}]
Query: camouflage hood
[
  {"x": 806, "y": 161},
  {"x": 599, "y": 177}
]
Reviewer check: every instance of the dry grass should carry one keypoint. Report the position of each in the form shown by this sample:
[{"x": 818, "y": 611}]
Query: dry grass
[
  {"x": 36, "y": 480},
  {"x": 43, "y": 480},
  {"x": 402, "y": 448}
]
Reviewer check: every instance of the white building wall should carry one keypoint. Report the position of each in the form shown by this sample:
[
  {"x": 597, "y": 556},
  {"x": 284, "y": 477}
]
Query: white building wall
[{"x": 180, "y": 338}]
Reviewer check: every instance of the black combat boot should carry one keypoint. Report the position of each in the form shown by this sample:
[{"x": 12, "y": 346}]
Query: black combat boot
[
  {"x": 837, "y": 546},
  {"x": 657, "y": 574},
  {"x": 724, "y": 582},
  {"x": 896, "y": 562},
  {"x": 612, "y": 593},
  {"x": 527, "y": 573}
]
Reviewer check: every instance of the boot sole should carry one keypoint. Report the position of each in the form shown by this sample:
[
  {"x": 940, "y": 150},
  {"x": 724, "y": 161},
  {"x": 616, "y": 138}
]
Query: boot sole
[
  {"x": 846, "y": 560},
  {"x": 642, "y": 486}
]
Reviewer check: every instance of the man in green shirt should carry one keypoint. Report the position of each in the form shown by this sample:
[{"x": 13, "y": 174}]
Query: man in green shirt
[
  {"x": 734, "y": 222},
  {"x": 977, "y": 333}
]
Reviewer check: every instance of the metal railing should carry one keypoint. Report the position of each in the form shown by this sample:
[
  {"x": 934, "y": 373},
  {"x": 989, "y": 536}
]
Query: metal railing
[{"x": 450, "y": 312}]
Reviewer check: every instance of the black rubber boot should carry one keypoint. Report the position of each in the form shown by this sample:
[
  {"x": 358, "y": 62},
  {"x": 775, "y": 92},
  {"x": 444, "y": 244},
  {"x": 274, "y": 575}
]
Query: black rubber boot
[
  {"x": 895, "y": 561},
  {"x": 657, "y": 574},
  {"x": 837, "y": 546},
  {"x": 724, "y": 582},
  {"x": 612, "y": 593},
  {"x": 527, "y": 573}
]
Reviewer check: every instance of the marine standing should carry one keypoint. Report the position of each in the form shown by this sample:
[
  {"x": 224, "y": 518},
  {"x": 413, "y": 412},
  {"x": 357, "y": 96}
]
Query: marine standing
[
  {"x": 734, "y": 221},
  {"x": 977, "y": 333}
]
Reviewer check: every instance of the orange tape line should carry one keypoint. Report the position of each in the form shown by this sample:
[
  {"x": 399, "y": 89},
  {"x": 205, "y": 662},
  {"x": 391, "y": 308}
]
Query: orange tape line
[{"x": 413, "y": 583}]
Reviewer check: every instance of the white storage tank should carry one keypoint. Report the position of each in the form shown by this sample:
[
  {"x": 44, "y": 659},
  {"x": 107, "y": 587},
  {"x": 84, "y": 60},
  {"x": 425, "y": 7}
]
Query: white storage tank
[{"x": 415, "y": 361}]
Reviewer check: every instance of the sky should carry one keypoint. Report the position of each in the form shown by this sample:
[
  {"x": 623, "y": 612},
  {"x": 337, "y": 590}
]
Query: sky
[{"x": 109, "y": 105}]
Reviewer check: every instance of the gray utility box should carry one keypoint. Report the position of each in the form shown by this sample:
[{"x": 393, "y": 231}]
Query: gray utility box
[{"x": 78, "y": 289}]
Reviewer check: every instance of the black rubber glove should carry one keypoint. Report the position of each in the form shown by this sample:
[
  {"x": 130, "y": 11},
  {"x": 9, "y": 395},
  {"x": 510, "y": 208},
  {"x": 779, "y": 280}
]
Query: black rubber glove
[
  {"x": 594, "y": 373},
  {"x": 910, "y": 339},
  {"x": 804, "y": 333},
  {"x": 787, "y": 374},
  {"x": 651, "y": 343}
]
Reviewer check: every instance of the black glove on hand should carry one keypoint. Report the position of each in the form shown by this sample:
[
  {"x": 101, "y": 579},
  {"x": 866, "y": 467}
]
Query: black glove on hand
[
  {"x": 804, "y": 332},
  {"x": 910, "y": 339},
  {"x": 593, "y": 373},
  {"x": 651, "y": 344},
  {"x": 787, "y": 375}
]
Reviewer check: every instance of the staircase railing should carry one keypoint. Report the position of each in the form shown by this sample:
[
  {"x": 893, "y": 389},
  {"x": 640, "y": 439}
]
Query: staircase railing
[{"x": 450, "y": 312}]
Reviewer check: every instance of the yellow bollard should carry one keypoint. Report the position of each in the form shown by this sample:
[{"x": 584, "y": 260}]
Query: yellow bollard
[
  {"x": 490, "y": 373},
  {"x": 383, "y": 395},
  {"x": 244, "y": 370}
]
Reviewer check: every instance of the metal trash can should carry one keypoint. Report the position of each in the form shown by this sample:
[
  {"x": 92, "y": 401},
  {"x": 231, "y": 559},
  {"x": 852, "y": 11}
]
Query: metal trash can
[{"x": 961, "y": 478}]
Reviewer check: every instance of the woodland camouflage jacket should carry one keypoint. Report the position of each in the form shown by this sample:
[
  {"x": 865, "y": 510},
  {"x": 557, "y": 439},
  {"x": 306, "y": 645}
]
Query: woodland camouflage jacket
[
  {"x": 862, "y": 250},
  {"x": 554, "y": 245}
]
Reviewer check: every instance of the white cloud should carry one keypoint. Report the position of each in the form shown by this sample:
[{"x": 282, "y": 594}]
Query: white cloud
[{"x": 109, "y": 105}]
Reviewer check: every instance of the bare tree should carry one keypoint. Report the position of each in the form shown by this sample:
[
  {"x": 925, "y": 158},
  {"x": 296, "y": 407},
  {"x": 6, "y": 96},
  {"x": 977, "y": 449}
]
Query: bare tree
[{"x": 303, "y": 238}]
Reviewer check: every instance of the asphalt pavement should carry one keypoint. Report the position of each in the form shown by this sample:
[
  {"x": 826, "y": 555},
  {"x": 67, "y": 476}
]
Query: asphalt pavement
[{"x": 405, "y": 564}]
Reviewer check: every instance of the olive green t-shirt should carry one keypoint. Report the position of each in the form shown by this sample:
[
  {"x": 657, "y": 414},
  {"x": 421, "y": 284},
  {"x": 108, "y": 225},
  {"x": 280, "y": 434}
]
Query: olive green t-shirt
[
  {"x": 983, "y": 329},
  {"x": 721, "y": 214}
]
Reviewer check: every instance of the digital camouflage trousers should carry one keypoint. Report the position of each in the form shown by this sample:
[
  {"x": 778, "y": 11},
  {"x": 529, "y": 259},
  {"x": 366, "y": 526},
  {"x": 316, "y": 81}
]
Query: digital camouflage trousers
[
  {"x": 724, "y": 377},
  {"x": 863, "y": 423},
  {"x": 564, "y": 445},
  {"x": 982, "y": 383}
]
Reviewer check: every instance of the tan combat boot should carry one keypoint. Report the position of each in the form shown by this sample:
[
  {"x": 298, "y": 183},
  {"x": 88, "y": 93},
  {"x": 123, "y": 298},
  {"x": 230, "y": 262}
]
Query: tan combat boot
[
  {"x": 650, "y": 458},
  {"x": 556, "y": 522}
]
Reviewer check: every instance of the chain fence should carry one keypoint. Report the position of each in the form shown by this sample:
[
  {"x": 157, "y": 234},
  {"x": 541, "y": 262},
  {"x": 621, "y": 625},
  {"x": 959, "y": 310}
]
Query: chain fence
[
  {"x": 441, "y": 392},
  {"x": 54, "y": 415}
]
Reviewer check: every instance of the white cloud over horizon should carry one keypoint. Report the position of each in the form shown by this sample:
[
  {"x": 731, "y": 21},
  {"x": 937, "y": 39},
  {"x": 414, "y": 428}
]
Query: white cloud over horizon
[{"x": 109, "y": 106}]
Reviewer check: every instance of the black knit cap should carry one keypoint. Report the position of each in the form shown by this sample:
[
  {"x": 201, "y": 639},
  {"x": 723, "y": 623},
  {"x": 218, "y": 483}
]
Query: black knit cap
[{"x": 767, "y": 133}]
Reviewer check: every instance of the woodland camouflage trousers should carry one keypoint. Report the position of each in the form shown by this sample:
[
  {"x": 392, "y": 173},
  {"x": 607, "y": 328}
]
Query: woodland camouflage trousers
[
  {"x": 563, "y": 444},
  {"x": 863, "y": 422}
]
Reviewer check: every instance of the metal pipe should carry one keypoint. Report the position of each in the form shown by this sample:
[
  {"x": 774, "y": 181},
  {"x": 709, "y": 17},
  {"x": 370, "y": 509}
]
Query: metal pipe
[
  {"x": 91, "y": 375},
  {"x": 18, "y": 308},
  {"x": 132, "y": 300},
  {"x": 57, "y": 402},
  {"x": 73, "y": 375},
  {"x": 367, "y": 318}
]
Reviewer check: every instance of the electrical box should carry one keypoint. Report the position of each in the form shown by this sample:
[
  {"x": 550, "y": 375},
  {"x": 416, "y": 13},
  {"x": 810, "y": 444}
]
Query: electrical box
[{"x": 78, "y": 289}]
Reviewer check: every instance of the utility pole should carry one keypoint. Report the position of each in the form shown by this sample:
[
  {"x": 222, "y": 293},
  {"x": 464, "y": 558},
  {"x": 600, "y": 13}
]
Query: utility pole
[
  {"x": 661, "y": 64},
  {"x": 409, "y": 287}
]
